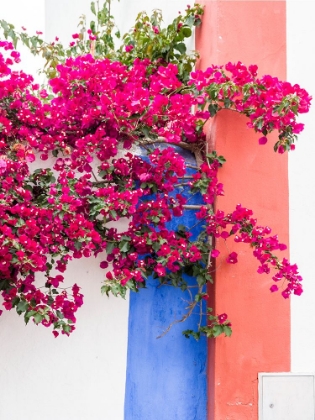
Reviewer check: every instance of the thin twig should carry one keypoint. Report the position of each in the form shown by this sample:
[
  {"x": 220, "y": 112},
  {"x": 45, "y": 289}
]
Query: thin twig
[
  {"x": 177, "y": 321},
  {"x": 163, "y": 140},
  {"x": 100, "y": 182},
  {"x": 181, "y": 184},
  {"x": 196, "y": 224},
  {"x": 95, "y": 177},
  {"x": 192, "y": 206}
]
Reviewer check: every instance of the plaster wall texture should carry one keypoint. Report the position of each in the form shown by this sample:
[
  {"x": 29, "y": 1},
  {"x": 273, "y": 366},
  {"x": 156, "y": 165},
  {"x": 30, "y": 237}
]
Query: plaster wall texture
[
  {"x": 300, "y": 65},
  {"x": 70, "y": 378},
  {"x": 166, "y": 377},
  {"x": 253, "y": 33}
]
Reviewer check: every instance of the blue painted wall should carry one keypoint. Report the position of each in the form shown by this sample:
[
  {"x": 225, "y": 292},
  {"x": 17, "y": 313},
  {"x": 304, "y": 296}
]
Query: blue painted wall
[{"x": 166, "y": 377}]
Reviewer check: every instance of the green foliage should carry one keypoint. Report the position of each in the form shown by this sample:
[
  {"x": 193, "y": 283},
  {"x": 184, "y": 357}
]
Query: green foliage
[
  {"x": 216, "y": 325},
  {"x": 147, "y": 39}
]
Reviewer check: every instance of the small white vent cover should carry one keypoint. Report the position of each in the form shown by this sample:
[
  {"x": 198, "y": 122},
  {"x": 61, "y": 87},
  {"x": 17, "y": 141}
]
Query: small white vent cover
[{"x": 286, "y": 396}]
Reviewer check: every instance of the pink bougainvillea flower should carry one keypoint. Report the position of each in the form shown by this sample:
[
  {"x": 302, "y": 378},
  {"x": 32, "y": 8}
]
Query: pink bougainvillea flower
[
  {"x": 262, "y": 140},
  {"x": 215, "y": 253},
  {"x": 232, "y": 258},
  {"x": 3, "y": 165},
  {"x": 222, "y": 318},
  {"x": 104, "y": 264},
  {"x": 160, "y": 270}
]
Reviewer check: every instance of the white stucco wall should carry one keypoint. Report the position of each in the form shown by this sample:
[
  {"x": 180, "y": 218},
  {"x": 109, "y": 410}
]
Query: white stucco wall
[
  {"x": 69, "y": 378},
  {"x": 301, "y": 65}
]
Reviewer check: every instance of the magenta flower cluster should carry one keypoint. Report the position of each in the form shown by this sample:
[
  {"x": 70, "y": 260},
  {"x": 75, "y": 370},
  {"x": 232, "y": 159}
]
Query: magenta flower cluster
[{"x": 88, "y": 120}]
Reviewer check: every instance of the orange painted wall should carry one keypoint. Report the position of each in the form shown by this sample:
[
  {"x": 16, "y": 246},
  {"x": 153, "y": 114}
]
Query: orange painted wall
[{"x": 253, "y": 32}]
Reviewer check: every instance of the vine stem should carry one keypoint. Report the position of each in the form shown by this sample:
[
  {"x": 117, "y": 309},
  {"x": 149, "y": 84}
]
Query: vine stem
[
  {"x": 97, "y": 181},
  {"x": 192, "y": 147},
  {"x": 192, "y": 206},
  {"x": 184, "y": 317},
  {"x": 210, "y": 144}
]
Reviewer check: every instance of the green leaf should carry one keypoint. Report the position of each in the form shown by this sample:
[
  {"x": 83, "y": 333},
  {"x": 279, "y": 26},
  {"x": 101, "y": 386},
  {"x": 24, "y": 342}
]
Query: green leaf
[
  {"x": 227, "y": 103},
  {"x": 20, "y": 222},
  {"x": 186, "y": 31},
  {"x": 124, "y": 246},
  {"x": 213, "y": 109},
  {"x": 156, "y": 246},
  {"x": 4, "y": 25},
  {"x": 5, "y": 284},
  {"x": 198, "y": 297},
  {"x": 105, "y": 289},
  {"x": 201, "y": 280},
  {"x": 113, "y": 214},
  {"x": 59, "y": 314},
  {"x": 22, "y": 306},
  {"x": 102, "y": 173},
  {"x": 217, "y": 330},
  {"x": 38, "y": 318},
  {"x": 227, "y": 330},
  {"x": 15, "y": 301},
  {"x": 181, "y": 228},
  {"x": 109, "y": 247},
  {"x": 93, "y": 10},
  {"x": 66, "y": 328},
  {"x": 78, "y": 245},
  {"x": 181, "y": 47},
  {"x": 50, "y": 300},
  {"x": 190, "y": 20},
  {"x": 183, "y": 287},
  {"x": 28, "y": 315},
  {"x": 187, "y": 333},
  {"x": 145, "y": 130}
]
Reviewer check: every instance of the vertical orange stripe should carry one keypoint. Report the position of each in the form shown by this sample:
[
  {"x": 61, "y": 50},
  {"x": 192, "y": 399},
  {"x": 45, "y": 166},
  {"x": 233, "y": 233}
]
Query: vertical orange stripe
[{"x": 253, "y": 32}]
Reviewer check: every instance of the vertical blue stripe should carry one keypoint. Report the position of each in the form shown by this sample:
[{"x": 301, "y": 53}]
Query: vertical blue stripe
[{"x": 166, "y": 377}]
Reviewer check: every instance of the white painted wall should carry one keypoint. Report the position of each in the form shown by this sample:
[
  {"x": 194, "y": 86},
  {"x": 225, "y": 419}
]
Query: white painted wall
[
  {"x": 81, "y": 377},
  {"x": 301, "y": 65}
]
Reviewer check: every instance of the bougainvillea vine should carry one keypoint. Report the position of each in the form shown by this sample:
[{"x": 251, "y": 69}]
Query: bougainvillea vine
[{"x": 87, "y": 124}]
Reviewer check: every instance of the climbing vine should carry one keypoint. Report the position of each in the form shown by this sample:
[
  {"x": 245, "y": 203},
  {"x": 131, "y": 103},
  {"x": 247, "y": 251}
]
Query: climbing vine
[{"x": 101, "y": 105}]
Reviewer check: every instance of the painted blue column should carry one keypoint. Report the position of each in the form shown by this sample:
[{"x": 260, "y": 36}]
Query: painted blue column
[{"x": 166, "y": 377}]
